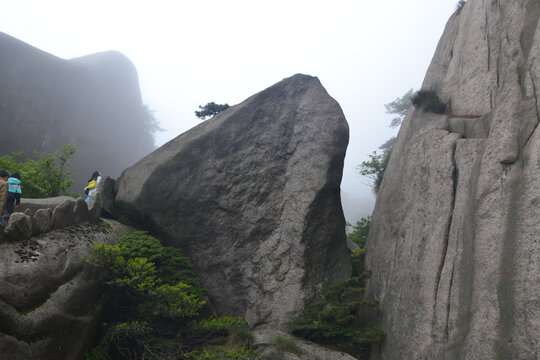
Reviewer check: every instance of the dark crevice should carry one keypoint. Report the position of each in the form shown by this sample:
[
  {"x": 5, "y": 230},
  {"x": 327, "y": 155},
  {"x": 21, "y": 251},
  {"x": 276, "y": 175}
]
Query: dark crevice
[
  {"x": 537, "y": 109},
  {"x": 448, "y": 300},
  {"x": 455, "y": 175}
]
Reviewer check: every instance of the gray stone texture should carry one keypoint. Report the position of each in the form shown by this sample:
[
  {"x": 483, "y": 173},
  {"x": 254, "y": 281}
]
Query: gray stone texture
[
  {"x": 49, "y": 295},
  {"x": 41, "y": 221},
  {"x": 64, "y": 214},
  {"x": 252, "y": 196},
  {"x": 265, "y": 344},
  {"x": 454, "y": 243},
  {"x": 19, "y": 227}
]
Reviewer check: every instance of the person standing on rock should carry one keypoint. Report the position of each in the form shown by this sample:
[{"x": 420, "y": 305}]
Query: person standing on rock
[
  {"x": 92, "y": 184},
  {"x": 13, "y": 196},
  {"x": 4, "y": 175}
]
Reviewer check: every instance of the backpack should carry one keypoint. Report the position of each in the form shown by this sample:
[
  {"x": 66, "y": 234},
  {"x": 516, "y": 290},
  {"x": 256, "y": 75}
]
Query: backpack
[{"x": 91, "y": 185}]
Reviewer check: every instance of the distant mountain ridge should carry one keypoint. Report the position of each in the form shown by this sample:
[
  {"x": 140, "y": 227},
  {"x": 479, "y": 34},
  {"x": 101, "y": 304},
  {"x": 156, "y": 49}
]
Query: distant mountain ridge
[{"x": 92, "y": 102}]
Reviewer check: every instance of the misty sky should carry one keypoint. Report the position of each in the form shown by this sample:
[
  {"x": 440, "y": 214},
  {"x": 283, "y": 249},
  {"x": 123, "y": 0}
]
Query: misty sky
[{"x": 188, "y": 53}]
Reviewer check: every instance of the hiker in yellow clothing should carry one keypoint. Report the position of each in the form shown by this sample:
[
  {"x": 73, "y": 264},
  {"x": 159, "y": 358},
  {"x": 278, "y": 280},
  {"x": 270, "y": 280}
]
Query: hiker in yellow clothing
[{"x": 92, "y": 184}]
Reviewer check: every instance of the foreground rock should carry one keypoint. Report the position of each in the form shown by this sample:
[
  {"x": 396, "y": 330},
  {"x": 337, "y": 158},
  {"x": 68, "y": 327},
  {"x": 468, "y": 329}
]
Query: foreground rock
[
  {"x": 454, "y": 240},
  {"x": 267, "y": 343},
  {"x": 49, "y": 305},
  {"x": 252, "y": 196}
]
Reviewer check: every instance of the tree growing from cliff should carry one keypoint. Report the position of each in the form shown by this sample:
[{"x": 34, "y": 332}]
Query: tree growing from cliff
[
  {"x": 150, "y": 122},
  {"x": 399, "y": 107},
  {"x": 210, "y": 110},
  {"x": 45, "y": 176}
]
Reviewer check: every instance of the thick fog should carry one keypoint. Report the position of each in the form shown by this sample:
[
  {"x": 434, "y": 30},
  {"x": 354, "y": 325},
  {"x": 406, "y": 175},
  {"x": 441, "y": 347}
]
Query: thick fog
[{"x": 366, "y": 54}]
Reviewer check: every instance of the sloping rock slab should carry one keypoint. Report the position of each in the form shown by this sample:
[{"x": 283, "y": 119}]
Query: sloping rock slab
[
  {"x": 265, "y": 341},
  {"x": 49, "y": 306},
  {"x": 252, "y": 196}
]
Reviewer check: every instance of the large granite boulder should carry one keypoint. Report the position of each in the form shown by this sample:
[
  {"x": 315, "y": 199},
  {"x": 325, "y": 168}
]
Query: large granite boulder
[
  {"x": 252, "y": 196},
  {"x": 49, "y": 306},
  {"x": 454, "y": 243}
]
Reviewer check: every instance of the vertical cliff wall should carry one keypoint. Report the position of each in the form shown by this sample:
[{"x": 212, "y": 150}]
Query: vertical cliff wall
[
  {"x": 454, "y": 244},
  {"x": 92, "y": 102}
]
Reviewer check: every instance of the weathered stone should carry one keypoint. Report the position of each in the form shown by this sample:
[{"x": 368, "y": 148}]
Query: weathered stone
[
  {"x": 265, "y": 343},
  {"x": 453, "y": 246},
  {"x": 64, "y": 214},
  {"x": 49, "y": 306},
  {"x": 34, "y": 204},
  {"x": 19, "y": 227},
  {"x": 252, "y": 196},
  {"x": 42, "y": 221},
  {"x": 80, "y": 211}
]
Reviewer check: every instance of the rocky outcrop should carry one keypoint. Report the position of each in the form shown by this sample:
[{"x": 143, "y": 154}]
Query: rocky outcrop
[
  {"x": 267, "y": 344},
  {"x": 92, "y": 102},
  {"x": 252, "y": 196},
  {"x": 453, "y": 247},
  {"x": 49, "y": 296}
]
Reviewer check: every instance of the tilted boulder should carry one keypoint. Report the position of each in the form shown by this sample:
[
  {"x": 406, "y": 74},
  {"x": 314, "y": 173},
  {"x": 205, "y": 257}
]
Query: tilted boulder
[
  {"x": 453, "y": 246},
  {"x": 49, "y": 295},
  {"x": 19, "y": 227},
  {"x": 64, "y": 214},
  {"x": 252, "y": 196},
  {"x": 41, "y": 221}
]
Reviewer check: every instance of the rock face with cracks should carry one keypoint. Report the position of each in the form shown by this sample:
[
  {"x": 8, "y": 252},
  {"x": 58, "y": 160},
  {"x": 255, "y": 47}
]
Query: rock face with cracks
[
  {"x": 252, "y": 196},
  {"x": 454, "y": 243},
  {"x": 49, "y": 296}
]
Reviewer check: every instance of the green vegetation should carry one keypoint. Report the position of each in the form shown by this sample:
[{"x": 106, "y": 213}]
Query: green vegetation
[
  {"x": 210, "y": 110},
  {"x": 360, "y": 231},
  {"x": 429, "y": 101},
  {"x": 45, "y": 176},
  {"x": 399, "y": 107},
  {"x": 334, "y": 320},
  {"x": 150, "y": 122},
  {"x": 374, "y": 168},
  {"x": 286, "y": 344},
  {"x": 155, "y": 301}
]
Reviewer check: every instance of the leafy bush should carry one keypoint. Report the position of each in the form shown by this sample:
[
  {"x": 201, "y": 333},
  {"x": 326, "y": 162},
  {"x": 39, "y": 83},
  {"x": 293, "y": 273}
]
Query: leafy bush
[
  {"x": 47, "y": 176},
  {"x": 285, "y": 344},
  {"x": 156, "y": 301},
  {"x": 153, "y": 291},
  {"x": 429, "y": 101},
  {"x": 375, "y": 168},
  {"x": 333, "y": 319},
  {"x": 220, "y": 353},
  {"x": 360, "y": 231}
]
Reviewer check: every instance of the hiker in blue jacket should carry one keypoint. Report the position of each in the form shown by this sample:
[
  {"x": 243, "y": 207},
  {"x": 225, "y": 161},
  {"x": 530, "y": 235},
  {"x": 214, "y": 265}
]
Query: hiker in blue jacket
[{"x": 13, "y": 196}]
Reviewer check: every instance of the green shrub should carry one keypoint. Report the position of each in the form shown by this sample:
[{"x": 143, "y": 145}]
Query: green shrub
[
  {"x": 47, "y": 176},
  {"x": 360, "y": 231},
  {"x": 220, "y": 353},
  {"x": 221, "y": 323},
  {"x": 332, "y": 320},
  {"x": 286, "y": 344},
  {"x": 154, "y": 295},
  {"x": 429, "y": 101}
]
